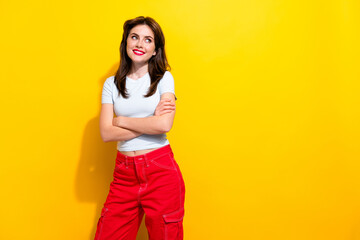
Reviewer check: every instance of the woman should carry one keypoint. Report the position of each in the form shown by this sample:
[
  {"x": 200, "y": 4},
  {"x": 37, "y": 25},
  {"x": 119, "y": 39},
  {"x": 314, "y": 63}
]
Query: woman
[{"x": 147, "y": 178}]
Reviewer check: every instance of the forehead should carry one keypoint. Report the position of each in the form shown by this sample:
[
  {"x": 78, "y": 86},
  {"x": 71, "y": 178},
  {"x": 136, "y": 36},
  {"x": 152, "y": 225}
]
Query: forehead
[{"x": 142, "y": 30}]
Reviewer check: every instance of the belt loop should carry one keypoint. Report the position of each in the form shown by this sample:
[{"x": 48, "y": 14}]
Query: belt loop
[
  {"x": 146, "y": 161},
  {"x": 126, "y": 162}
]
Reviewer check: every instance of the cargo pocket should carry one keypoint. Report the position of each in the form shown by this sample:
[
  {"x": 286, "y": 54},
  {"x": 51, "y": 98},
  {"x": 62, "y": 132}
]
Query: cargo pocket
[
  {"x": 100, "y": 224},
  {"x": 174, "y": 225}
]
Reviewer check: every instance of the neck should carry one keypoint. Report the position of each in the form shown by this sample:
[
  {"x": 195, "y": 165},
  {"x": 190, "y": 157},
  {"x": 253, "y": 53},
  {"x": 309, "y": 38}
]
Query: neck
[{"x": 139, "y": 70}]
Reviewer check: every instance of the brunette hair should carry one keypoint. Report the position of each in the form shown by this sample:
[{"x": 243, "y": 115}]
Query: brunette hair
[{"x": 158, "y": 64}]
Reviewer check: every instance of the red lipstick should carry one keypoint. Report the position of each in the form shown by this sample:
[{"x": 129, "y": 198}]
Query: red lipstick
[{"x": 138, "y": 52}]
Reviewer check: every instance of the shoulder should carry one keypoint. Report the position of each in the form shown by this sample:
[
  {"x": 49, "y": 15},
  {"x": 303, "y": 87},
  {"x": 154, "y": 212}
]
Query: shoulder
[
  {"x": 167, "y": 83},
  {"x": 109, "y": 83},
  {"x": 167, "y": 74},
  {"x": 167, "y": 77},
  {"x": 110, "y": 80},
  {"x": 108, "y": 89}
]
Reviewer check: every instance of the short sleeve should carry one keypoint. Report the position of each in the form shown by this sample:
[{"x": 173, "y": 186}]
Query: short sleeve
[
  {"x": 166, "y": 84},
  {"x": 106, "y": 96}
]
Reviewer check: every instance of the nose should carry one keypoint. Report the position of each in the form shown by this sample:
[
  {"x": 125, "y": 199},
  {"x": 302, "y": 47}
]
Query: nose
[{"x": 139, "y": 44}]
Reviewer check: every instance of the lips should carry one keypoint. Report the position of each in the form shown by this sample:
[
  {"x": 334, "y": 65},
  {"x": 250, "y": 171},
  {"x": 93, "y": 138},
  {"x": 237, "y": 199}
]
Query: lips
[{"x": 138, "y": 52}]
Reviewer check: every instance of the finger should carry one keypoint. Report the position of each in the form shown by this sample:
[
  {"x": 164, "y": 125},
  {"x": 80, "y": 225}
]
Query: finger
[
  {"x": 166, "y": 100},
  {"x": 168, "y": 108},
  {"x": 169, "y": 104},
  {"x": 164, "y": 112},
  {"x": 166, "y": 105}
]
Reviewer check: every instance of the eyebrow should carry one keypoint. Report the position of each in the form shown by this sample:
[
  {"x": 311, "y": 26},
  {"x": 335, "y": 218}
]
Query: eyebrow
[{"x": 138, "y": 35}]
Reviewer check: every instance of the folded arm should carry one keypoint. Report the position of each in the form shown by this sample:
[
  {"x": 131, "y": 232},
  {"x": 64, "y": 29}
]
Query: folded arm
[
  {"x": 109, "y": 132},
  {"x": 157, "y": 124}
]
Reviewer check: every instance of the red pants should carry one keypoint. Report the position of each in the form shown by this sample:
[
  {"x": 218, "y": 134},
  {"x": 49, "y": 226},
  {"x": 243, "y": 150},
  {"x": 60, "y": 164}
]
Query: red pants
[{"x": 150, "y": 183}]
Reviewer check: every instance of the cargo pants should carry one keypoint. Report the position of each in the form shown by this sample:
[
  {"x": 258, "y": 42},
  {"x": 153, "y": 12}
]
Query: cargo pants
[{"x": 152, "y": 184}]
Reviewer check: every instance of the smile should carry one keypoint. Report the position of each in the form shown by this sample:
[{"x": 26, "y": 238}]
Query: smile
[{"x": 138, "y": 52}]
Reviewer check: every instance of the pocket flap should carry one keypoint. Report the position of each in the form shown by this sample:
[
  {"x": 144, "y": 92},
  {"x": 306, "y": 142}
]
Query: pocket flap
[{"x": 176, "y": 216}]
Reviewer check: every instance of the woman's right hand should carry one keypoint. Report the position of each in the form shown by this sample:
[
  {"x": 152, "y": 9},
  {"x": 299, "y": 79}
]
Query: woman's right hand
[{"x": 165, "y": 106}]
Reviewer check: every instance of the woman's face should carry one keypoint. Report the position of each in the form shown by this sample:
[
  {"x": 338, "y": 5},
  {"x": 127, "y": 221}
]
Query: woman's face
[{"x": 140, "y": 44}]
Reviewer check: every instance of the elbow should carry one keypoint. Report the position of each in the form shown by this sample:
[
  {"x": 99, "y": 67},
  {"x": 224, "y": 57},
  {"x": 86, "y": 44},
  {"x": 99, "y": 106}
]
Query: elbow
[
  {"x": 166, "y": 122},
  {"x": 166, "y": 127},
  {"x": 105, "y": 136}
]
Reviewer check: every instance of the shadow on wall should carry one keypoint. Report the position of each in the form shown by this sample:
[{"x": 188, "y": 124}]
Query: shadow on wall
[{"x": 96, "y": 166}]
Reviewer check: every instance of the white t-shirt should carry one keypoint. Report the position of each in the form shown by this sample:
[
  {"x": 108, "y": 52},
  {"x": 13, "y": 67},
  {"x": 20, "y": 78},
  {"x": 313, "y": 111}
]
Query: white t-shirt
[{"x": 138, "y": 106}]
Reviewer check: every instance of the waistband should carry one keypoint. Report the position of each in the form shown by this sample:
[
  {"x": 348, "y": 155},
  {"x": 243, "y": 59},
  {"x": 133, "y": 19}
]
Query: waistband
[{"x": 144, "y": 157}]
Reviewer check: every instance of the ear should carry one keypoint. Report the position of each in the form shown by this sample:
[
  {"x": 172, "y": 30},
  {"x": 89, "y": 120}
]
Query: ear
[{"x": 154, "y": 53}]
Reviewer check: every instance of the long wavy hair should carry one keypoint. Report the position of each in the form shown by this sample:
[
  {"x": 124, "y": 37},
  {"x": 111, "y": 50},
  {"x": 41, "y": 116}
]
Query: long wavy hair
[{"x": 158, "y": 64}]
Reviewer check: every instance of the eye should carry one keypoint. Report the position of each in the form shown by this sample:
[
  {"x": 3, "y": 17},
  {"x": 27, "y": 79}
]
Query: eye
[
  {"x": 149, "y": 40},
  {"x": 133, "y": 37}
]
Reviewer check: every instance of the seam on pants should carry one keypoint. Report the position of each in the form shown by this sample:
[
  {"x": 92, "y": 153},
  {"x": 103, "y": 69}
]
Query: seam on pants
[
  {"x": 158, "y": 156},
  {"x": 139, "y": 195},
  {"x": 166, "y": 232},
  {"x": 145, "y": 178},
  {"x": 146, "y": 183},
  {"x": 161, "y": 166},
  {"x": 179, "y": 180},
  {"x": 102, "y": 222}
]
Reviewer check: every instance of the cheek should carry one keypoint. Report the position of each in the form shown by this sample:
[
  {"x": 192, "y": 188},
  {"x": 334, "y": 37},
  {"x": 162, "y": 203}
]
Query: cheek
[
  {"x": 129, "y": 47},
  {"x": 150, "y": 48},
  {"x": 128, "y": 50}
]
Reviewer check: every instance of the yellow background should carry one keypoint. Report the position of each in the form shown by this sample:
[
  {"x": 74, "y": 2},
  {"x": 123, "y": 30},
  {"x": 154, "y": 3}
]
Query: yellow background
[{"x": 266, "y": 133}]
